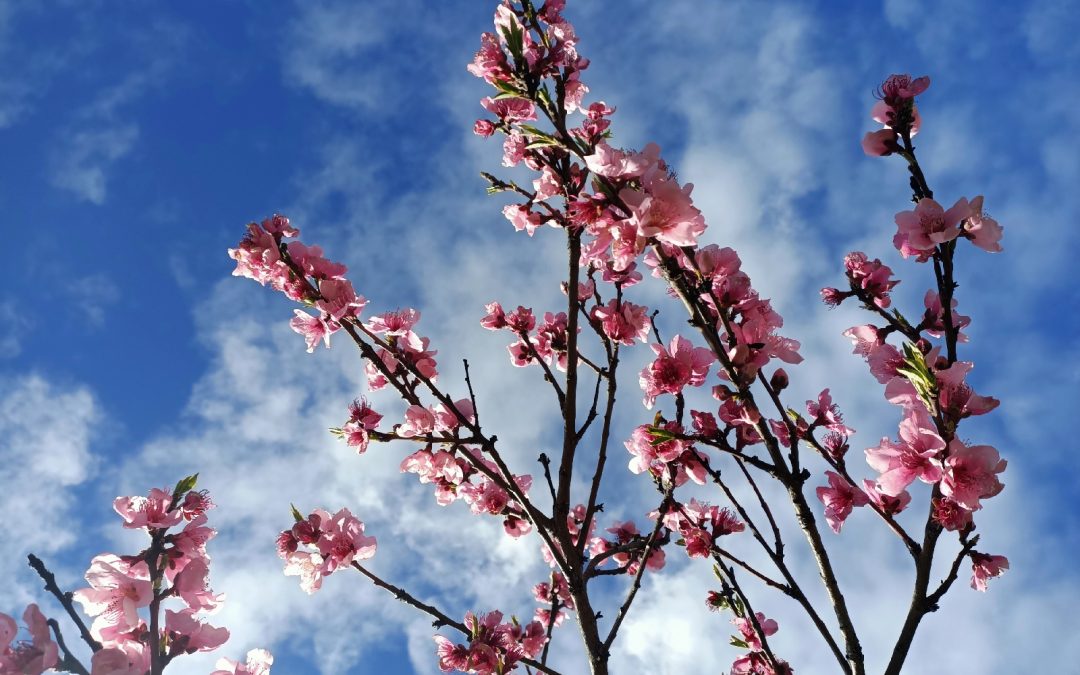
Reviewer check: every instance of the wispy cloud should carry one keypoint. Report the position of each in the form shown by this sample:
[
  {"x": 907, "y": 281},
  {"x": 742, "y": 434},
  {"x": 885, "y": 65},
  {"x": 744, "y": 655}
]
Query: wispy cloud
[
  {"x": 101, "y": 131},
  {"x": 47, "y": 429}
]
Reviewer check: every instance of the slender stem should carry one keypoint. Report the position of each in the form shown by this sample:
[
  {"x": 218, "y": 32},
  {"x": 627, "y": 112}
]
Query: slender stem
[
  {"x": 69, "y": 662},
  {"x": 566, "y": 462},
  {"x": 64, "y": 599},
  {"x": 632, "y": 593},
  {"x": 441, "y": 619}
]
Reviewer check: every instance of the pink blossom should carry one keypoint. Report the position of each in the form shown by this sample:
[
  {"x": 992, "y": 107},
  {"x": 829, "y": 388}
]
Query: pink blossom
[
  {"x": 750, "y": 635},
  {"x": 920, "y": 231},
  {"x": 307, "y": 566},
  {"x": 827, "y": 414},
  {"x": 898, "y": 88},
  {"x": 611, "y": 163},
  {"x": 664, "y": 210},
  {"x": 882, "y": 357},
  {"x": 192, "y": 585},
  {"x": 880, "y": 143},
  {"x": 547, "y": 185},
  {"x": 951, "y": 515},
  {"x": 118, "y": 661},
  {"x": 362, "y": 419},
  {"x": 915, "y": 456},
  {"x": 890, "y": 505},
  {"x": 623, "y": 321},
  {"x": 872, "y": 278},
  {"x": 343, "y": 541},
  {"x": 934, "y": 317},
  {"x": 189, "y": 635},
  {"x": 395, "y": 324},
  {"x": 31, "y": 657},
  {"x": 418, "y": 421},
  {"x": 985, "y": 567},
  {"x": 982, "y": 230},
  {"x": 510, "y": 109},
  {"x": 148, "y": 512},
  {"x": 522, "y": 218},
  {"x": 514, "y": 149},
  {"x": 490, "y": 62},
  {"x": 679, "y": 365},
  {"x": 971, "y": 474},
  {"x": 956, "y": 397},
  {"x": 315, "y": 329},
  {"x": 258, "y": 663},
  {"x": 117, "y": 590},
  {"x": 339, "y": 300},
  {"x": 483, "y": 128},
  {"x": 839, "y": 498}
]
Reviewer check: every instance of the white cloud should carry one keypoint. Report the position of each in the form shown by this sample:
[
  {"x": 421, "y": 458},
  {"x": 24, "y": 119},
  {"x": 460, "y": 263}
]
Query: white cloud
[
  {"x": 82, "y": 166},
  {"x": 13, "y": 326},
  {"x": 46, "y": 430}
]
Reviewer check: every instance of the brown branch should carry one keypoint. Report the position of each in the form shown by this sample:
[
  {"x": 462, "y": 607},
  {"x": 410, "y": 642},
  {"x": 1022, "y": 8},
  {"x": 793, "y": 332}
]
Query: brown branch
[
  {"x": 64, "y": 599},
  {"x": 441, "y": 619},
  {"x": 69, "y": 662}
]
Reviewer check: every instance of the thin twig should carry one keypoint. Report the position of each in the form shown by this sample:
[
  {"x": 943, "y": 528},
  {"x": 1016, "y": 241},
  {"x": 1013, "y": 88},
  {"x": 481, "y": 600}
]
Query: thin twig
[{"x": 65, "y": 600}]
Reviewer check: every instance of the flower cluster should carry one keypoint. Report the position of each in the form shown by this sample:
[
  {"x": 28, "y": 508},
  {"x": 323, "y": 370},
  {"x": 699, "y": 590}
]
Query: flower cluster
[
  {"x": 330, "y": 542},
  {"x": 659, "y": 451},
  {"x": 456, "y": 475},
  {"x": 626, "y": 549},
  {"x": 494, "y": 647},
  {"x": 302, "y": 274},
  {"x": 930, "y": 388},
  {"x": 554, "y": 593},
  {"x": 121, "y": 586},
  {"x": 755, "y": 661},
  {"x": 700, "y": 525},
  {"x": 401, "y": 344}
]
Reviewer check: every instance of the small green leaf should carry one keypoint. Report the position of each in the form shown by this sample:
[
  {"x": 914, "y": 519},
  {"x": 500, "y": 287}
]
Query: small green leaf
[
  {"x": 185, "y": 485},
  {"x": 297, "y": 516},
  {"x": 739, "y": 642}
]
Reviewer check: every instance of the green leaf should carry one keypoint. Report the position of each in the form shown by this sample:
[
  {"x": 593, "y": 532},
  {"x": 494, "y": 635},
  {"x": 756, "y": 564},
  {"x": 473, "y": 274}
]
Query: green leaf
[
  {"x": 297, "y": 516},
  {"x": 739, "y": 642},
  {"x": 658, "y": 435},
  {"x": 185, "y": 485}
]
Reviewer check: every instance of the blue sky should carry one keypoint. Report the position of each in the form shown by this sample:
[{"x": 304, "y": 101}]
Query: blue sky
[{"x": 139, "y": 138}]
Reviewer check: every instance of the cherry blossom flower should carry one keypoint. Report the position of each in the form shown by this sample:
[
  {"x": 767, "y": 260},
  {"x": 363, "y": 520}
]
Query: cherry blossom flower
[
  {"x": 982, "y": 230},
  {"x": 118, "y": 661},
  {"x": 871, "y": 277},
  {"x": 148, "y": 512},
  {"x": 117, "y": 590},
  {"x": 971, "y": 474},
  {"x": 915, "y": 456},
  {"x": 985, "y": 567},
  {"x": 839, "y": 498},
  {"x": 188, "y": 635},
  {"x": 678, "y": 365},
  {"x": 920, "y": 231},
  {"x": 623, "y": 321}
]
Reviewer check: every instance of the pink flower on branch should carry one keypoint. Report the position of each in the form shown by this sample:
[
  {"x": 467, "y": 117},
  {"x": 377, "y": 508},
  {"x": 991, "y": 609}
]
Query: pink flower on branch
[
  {"x": 986, "y": 567},
  {"x": 839, "y": 498},
  {"x": 970, "y": 474},
  {"x": 915, "y": 456},
  {"x": 117, "y": 590},
  {"x": 678, "y": 365},
  {"x": 919, "y": 232}
]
